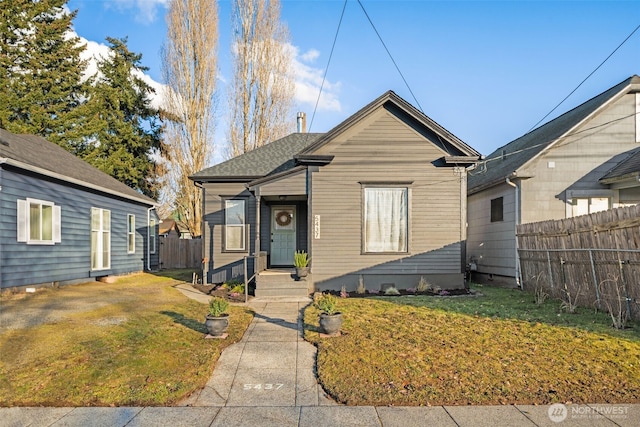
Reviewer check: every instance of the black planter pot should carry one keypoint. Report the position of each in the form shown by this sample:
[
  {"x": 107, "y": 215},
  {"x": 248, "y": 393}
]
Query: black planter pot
[
  {"x": 330, "y": 323},
  {"x": 217, "y": 326}
]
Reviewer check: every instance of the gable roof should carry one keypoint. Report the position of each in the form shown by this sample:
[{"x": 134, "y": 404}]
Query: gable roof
[
  {"x": 509, "y": 158},
  {"x": 627, "y": 168},
  {"x": 269, "y": 159},
  {"x": 36, "y": 154},
  {"x": 278, "y": 156},
  {"x": 391, "y": 98}
]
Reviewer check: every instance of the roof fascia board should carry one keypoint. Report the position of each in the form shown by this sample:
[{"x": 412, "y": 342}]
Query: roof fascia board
[
  {"x": 40, "y": 171},
  {"x": 312, "y": 159},
  {"x": 211, "y": 179},
  {"x": 594, "y": 113}
]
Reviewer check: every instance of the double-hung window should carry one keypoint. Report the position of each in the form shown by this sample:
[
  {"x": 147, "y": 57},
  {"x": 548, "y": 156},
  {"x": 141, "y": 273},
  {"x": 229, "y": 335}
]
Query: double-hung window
[
  {"x": 100, "y": 239},
  {"x": 235, "y": 236},
  {"x": 38, "y": 222},
  {"x": 131, "y": 234},
  {"x": 152, "y": 235},
  {"x": 386, "y": 219}
]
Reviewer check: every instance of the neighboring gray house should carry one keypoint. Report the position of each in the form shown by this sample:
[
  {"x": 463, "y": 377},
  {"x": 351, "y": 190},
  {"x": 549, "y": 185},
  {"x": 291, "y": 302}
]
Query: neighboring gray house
[
  {"x": 564, "y": 168},
  {"x": 64, "y": 221},
  {"x": 381, "y": 196}
]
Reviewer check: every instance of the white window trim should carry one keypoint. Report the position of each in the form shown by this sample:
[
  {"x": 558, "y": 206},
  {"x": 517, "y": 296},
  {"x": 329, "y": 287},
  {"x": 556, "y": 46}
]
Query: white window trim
[
  {"x": 131, "y": 233},
  {"x": 243, "y": 226},
  {"x": 101, "y": 233},
  {"x": 402, "y": 186},
  {"x": 152, "y": 236},
  {"x": 23, "y": 222}
]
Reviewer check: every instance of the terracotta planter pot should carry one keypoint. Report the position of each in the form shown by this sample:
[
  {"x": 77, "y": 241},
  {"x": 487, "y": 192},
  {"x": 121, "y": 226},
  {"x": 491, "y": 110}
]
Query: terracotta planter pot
[
  {"x": 217, "y": 326},
  {"x": 330, "y": 323}
]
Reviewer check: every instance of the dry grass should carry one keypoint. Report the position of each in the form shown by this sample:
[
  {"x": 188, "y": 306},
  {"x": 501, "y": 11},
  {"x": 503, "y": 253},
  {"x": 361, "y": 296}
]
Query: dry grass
[
  {"x": 135, "y": 342},
  {"x": 407, "y": 353}
]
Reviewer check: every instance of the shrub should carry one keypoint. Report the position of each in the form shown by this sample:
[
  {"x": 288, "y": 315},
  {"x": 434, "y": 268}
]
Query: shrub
[
  {"x": 218, "y": 306},
  {"x": 326, "y": 303}
]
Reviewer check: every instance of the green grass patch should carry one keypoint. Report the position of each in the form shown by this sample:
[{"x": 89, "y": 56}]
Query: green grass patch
[
  {"x": 137, "y": 342},
  {"x": 497, "y": 349}
]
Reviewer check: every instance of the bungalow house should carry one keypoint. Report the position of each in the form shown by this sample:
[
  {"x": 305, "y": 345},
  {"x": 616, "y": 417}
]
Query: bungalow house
[
  {"x": 382, "y": 197},
  {"x": 581, "y": 162},
  {"x": 64, "y": 221},
  {"x": 173, "y": 229}
]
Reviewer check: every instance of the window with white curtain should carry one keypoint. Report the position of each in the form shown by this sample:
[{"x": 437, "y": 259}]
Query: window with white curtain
[{"x": 385, "y": 219}]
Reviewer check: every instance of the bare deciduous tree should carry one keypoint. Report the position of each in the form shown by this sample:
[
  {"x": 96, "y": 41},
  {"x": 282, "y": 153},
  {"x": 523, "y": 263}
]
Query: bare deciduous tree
[
  {"x": 261, "y": 93},
  {"x": 189, "y": 69}
]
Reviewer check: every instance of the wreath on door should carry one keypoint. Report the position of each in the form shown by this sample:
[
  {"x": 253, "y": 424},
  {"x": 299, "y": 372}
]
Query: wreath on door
[{"x": 283, "y": 218}]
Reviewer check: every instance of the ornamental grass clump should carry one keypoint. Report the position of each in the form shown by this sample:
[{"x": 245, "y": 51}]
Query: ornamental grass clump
[{"x": 301, "y": 259}]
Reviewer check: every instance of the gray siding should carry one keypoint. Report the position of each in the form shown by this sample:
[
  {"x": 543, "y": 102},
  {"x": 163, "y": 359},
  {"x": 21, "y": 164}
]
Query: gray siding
[
  {"x": 221, "y": 265},
  {"x": 492, "y": 244},
  {"x": 22, "y": 264},
  {"x": 572, "y": 166},
  {"x": 382, "y": 148},
  {"x": 292, "y": 185}
]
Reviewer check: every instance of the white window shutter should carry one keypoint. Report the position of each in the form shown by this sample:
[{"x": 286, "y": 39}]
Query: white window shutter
[
  {"x": 22, "y": 220},
  {"x": 57, "y": 222}
]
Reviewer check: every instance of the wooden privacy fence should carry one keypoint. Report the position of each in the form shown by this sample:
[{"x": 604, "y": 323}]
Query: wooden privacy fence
[
  {"x": 180, "y": 253},
  {"x": 590, "y": 261}
]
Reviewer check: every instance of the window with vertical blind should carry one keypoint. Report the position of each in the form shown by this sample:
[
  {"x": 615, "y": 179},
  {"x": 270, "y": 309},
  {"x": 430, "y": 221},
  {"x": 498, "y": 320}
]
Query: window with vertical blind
[
  {"x": 100, "y": 239},
  {"x": 386, "y": 219},
  {"x": 38, "y": 222},
  {"x": 235, "y": 236}
]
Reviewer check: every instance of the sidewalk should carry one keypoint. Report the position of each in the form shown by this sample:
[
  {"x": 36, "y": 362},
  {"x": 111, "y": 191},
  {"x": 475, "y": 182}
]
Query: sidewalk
[{"x": 268, "y": 379}]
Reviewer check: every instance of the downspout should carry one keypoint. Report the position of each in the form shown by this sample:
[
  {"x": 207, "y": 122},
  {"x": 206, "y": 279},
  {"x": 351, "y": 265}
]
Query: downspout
[
  {"x": 2, "y": 161},
  {"x": 203, "y": 235},
  {"x": 515, "y": 228},
  {"x": 149, "y": 238}
]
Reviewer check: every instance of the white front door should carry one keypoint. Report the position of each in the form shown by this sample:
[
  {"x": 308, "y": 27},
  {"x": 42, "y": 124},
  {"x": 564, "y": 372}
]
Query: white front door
[{"x": 283, "y": 235}]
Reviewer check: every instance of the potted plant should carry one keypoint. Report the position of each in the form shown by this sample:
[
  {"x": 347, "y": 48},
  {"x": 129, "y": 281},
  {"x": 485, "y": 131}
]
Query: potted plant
[
  {"x": 330, "y": 317},
  {"x": 301, "y": 262},
  {"x": 217, "y": 321}
]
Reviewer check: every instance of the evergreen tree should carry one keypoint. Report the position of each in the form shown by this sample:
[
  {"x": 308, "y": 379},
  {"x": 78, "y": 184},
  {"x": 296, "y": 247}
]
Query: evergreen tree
[
  {"x": 124, "y": 127},
  {"x": 41, "y": 72}
]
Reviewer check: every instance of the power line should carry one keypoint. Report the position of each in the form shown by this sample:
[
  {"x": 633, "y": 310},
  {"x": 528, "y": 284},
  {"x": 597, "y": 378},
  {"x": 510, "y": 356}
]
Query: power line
[
  {"x": 390, "y": 56},
  {"x": 586, "y": 78},
  {"x": 335, "y": 38}
]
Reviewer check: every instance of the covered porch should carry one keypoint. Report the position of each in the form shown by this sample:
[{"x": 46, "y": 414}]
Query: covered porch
[{"x": 282, "y": 228}]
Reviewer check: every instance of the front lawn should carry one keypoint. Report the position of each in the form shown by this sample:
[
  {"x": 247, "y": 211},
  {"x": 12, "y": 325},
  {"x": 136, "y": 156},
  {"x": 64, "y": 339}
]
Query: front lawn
[
  {"x": 497, "y": 349},
  {"x": 136, "y": 342}
]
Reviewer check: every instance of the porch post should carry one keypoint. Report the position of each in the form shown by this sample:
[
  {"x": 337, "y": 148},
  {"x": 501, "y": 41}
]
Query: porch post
[{"x": 257, "y": 242}]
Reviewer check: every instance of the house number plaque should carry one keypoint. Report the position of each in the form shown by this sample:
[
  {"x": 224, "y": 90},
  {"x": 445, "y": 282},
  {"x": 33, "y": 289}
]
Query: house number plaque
[{"x": 316, "y": 227}]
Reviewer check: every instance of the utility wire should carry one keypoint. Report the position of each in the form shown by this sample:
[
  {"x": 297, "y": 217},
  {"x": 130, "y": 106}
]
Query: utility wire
[
  {"x": 390, "y": 56},
  {"x": 586, "y": 78},
  {"x": 335, "y": 38}
]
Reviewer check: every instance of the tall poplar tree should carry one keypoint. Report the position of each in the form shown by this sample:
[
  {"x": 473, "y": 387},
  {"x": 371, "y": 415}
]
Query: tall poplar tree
[
  {"x": 190, "y": 72},
  {"x": 41, "y": 71},
  {"x": 124, "y": 127},
  {"x": 262, "y": 90}
]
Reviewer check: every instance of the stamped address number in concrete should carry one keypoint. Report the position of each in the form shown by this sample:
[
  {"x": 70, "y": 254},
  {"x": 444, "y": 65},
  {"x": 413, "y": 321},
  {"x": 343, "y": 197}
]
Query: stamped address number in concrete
[{"x": 263, "y": 386}]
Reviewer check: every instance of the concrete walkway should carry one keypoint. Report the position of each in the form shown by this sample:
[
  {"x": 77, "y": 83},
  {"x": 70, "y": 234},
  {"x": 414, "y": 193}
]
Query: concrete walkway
[{"x": 268, "y": 379}]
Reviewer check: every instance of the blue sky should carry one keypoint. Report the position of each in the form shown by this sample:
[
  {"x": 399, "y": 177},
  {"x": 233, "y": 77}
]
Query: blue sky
[{"x": 487, "y": 71}]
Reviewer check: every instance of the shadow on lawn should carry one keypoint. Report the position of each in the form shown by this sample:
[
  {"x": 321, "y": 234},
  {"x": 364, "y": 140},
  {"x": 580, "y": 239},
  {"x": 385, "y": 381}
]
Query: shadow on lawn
[{"x": 186, "y": 321}]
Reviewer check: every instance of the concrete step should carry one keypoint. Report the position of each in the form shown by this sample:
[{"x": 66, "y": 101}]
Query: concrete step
[
  {"x": 282, "y": 283},
  {"x": 282, "y": 292}
]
